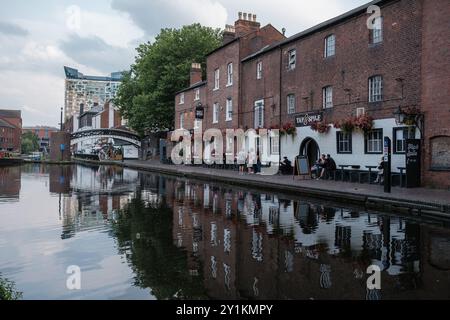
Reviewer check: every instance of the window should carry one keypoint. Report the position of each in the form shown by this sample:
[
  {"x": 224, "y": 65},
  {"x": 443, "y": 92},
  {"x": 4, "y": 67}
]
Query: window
[
  {"x": 374, "y": 141},
  {"x": 182, "y": 120},
  {"x": 400, "y": 136},
  {"x": 229, "y": 110},
  {"x": 376, "y": 89},
  {"x": 274, "y": 145},
  {"x": 230, "y": 74},
  {"x": 181, "y": 98},
  {"x": 292, "y": 59},
  {"x": 216, "y": 113},
  {"x": 216, "y": 79},
  {"x": 330, "y": 46},
  {"x": 377, "y": 31},
  {"x": 291, "y": 104},
  {"x": 259, "y": 114},
  {"x": 344, "y": 142},
  {"x": 197, "y": 94},
  {"x": 327, "y": 94},
  {"x": 259, "y": 70}
]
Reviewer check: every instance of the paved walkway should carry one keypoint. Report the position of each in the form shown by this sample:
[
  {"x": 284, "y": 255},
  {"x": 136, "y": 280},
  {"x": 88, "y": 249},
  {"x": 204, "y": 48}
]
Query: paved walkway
[{"x": 439, "y": 197}]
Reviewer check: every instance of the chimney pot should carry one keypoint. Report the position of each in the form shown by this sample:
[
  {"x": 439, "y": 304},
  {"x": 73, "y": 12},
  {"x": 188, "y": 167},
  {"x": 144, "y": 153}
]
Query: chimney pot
[
  {"x": 245, "y": 16},
  {"x": 254, "y": 17},
  {"x": 249, "y": 15},
  {"x": 240, "y": 15}
]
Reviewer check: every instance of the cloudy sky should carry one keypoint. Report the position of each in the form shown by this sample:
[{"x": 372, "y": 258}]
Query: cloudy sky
[{"x": 37, "y": 38}]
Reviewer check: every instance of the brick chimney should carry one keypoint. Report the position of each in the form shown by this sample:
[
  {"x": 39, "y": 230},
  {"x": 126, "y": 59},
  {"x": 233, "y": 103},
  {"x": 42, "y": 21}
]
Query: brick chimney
[
  {"x": 229, "y": 34},
  {"x": 246, "y": 24},
  {"x": 196, "y": 73}
]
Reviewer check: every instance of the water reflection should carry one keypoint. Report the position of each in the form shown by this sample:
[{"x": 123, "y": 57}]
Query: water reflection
[{"x": 188, "y": 239}]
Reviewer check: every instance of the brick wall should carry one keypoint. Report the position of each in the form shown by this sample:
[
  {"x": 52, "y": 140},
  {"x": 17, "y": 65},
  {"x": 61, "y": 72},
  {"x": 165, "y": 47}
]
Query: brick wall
[{"x": 435, "y": 89}]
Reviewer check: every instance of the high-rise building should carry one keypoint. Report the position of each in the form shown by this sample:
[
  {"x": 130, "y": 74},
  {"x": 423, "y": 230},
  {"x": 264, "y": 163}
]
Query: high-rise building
[{"x": 88, "y": 90}]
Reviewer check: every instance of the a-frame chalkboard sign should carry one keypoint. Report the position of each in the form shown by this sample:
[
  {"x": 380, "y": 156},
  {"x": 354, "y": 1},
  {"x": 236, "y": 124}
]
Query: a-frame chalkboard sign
[{"x": 301, "y": 168}]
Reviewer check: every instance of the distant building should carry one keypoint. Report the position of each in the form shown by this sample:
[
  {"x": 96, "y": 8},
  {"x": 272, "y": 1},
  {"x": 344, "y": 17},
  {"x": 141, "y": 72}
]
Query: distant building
[
  {"x": 43, "y": 133},
  {"x": 88, "y": 90},
  {"x": 10, "y": 130}
]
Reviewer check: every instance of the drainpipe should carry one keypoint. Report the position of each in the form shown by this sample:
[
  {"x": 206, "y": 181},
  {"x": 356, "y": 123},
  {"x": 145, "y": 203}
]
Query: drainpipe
[{"x": 279, "y": 97}]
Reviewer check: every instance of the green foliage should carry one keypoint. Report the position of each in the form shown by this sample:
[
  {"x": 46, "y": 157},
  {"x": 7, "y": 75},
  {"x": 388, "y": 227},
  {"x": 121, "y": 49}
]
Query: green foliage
[
  {"x": 30, "y": 142},
  {"x": 7, "y": 290},
  {"x": 146, "y": 96},
  {"x": 157, "y": 263}
]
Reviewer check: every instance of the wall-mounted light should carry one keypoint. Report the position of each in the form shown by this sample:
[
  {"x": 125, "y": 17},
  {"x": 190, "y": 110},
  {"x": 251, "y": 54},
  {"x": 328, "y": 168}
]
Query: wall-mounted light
[{"x": 410, "y": 117}]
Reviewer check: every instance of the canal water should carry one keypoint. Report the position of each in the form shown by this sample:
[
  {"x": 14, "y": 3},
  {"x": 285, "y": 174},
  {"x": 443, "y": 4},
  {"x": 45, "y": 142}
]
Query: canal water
[{"x": 137, "y": 235}]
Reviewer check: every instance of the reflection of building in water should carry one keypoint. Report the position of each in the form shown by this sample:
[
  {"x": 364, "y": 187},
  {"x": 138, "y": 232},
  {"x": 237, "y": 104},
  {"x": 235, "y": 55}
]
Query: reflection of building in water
[
  {"x": 259, "y": 246},
  {"x": 98, "y": 193},
  {"x": 10, "y": 182},
  {"x": 104, "y": 179},
  {"x": 60, "y": 177}
]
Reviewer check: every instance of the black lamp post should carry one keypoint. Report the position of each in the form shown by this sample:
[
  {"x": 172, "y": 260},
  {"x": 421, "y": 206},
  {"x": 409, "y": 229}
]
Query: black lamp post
[{"x": 61, "y": 123}]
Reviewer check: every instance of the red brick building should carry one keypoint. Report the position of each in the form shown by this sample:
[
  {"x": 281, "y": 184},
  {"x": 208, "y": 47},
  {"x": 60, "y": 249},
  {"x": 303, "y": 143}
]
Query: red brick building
[
  {"x": 335, "y": 72},
  {"x": 43, "y": 133},
  {"x": 10, "y": 130}
]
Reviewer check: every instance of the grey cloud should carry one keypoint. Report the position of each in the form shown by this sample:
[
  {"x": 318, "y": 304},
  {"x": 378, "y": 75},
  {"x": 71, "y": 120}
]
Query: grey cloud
[
  {"x": 153, "y": 15},
  {"x": 12, "y": 29},
  {"x": 96, "y": 53}
]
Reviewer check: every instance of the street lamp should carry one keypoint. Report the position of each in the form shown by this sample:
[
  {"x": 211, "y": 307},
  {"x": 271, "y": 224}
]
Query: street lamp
[{"x": 399, "y": 116}]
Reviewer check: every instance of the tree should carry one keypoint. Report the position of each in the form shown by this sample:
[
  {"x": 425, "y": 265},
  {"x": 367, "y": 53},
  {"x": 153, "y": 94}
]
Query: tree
[
  {"x": 30, "y": 142},
  {"x": 146, "y": 95}
]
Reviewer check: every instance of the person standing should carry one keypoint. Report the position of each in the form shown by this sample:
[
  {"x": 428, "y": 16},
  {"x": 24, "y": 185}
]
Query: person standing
[{"x": 251, "y": 159}]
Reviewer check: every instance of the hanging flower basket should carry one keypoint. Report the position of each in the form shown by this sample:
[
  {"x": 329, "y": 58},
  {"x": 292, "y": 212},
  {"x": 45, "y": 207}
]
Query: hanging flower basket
[
  {"x": 364, "y": 123},
  {"x": 288, "y": 129},
  {"x": 320, "y": 127},
  {"x": 346, "y": 126}
]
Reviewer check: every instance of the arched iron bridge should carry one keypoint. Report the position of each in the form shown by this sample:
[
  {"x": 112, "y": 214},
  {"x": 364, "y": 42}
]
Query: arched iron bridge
[{"x": 118, "y": 134}]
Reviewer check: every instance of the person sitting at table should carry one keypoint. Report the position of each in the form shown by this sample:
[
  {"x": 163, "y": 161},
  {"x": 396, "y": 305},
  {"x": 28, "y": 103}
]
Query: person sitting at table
[
  {"x": 380, "y": 176},
  {"x": 286, "y": 166},
  {"x": 316, "y": 170},
  {"x": 329, "y": 166}
]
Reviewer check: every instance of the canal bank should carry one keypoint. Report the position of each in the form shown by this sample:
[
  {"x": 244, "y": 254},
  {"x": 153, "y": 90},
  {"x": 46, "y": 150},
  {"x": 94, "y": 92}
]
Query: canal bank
[{"x": 416, "y": 202}]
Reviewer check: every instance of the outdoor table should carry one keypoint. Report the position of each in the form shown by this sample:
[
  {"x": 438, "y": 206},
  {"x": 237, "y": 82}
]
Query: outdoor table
[
  {"x": 401, "y": 175},
  {"x": 343, "y": 166},
  {"x": 370, "y": 172}
]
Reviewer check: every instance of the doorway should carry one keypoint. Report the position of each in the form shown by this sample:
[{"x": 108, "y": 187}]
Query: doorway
[{"x": 309, "y": 148}]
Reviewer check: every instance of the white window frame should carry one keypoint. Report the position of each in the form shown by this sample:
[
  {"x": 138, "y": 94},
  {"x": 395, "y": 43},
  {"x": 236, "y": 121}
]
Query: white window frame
[
  {"x": 259, "y": 67},
  {"x": 377, "y": 31},
  {"x": 327, "y": 97},
  {"x": 274, "y": 145},
  {"x": 182, "y": 120},
  {"x": 292, "y": 59},
  {"x": 372, "y": 142},
  {"x": 197, "y": 94},
  {"x": 330, "y": 46},
  {"x": 376, "y": 88},
  {"x": 216, "y": 113},
  {"x": 217, "y": 79},
  {"x": 229, "y": 74},
  {"x": 259, "y": 114},
  {"x": 229, "y": 110},
  {"x": 290, "y": 101},
  {"x": 344, "y": 142},
  {"x": 182, "y": 98}
]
